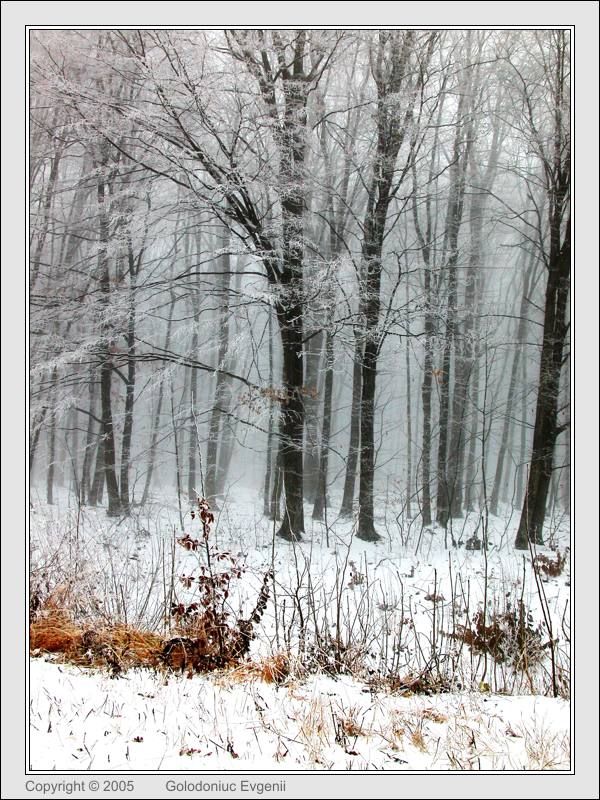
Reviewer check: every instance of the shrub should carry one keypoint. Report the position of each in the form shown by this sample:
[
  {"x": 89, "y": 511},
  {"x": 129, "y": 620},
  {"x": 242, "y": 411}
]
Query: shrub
[{"x": 509, "y": 636}]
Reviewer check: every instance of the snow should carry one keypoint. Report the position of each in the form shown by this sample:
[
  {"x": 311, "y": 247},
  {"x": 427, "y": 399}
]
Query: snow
[
  {"x": 377, "y": 597},
  {"x": 84, "y": 720}
]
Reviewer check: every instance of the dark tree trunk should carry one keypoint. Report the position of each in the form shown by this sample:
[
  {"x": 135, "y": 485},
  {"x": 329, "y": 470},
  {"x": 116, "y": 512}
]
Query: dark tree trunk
[
  {"x": 285, "y": 94},
  {"x": 129, "y": 386},
  {"x": 106, "y": 365},
  {"x": 555, "y": 167},
  {"x": 112, "y": 487},
  {"x": 321, "y": 495},
  {"x": 521, "y": 475},
  {"x": 86, "y": 469},
  {"x": 355, "y": 413},
  {"x": 312, "y": 360},
  {"x": 396, "y": 52},
  {"x": 546, "y": 428},
  {"x": 292, "y": 421},
  {"x": 372, "y": 254}
]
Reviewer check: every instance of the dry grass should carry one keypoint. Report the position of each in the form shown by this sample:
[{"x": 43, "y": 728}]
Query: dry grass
[
  {"x": 117, "y": 646},
  {"x": 55, "y": 633},
  {"x": 122, "y": 647},
  {"x": 433, "y": 716}
]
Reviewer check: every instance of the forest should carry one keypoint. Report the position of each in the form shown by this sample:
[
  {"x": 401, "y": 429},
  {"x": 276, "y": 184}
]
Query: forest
[{"x": 311, "y": 289}]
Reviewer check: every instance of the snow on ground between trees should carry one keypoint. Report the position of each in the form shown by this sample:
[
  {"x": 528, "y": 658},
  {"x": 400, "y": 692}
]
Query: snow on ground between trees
[
  {"x": 358, "y": 622},
  {"x": 84, "y": 720}
]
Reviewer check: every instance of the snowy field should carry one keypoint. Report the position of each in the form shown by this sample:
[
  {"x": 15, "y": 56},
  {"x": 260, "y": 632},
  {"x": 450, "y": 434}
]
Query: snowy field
[
  {"x": 359, "y": 621},
  {"x": 85, "y": 720}
]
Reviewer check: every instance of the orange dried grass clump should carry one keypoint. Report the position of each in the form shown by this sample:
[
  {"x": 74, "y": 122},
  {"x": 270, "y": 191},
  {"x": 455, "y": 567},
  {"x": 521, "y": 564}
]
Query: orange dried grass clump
[
  {"x": 118, "y": 646},
  {"x": 271, "y": 669},
  {"x": 275, "y": 669},
  {"x": 55, "y": 633},
  {"x": 133, "y": 648}
]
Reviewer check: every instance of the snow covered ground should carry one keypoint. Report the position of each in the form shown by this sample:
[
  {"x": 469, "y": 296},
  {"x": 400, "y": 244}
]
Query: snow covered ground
[
  {"x": 84, "y": 720},
  {"x": 363, "y": 611}
]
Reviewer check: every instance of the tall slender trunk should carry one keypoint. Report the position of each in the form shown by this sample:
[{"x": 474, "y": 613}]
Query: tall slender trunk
[
  {"x": 312, "y": 361},
  {"x": 212, "y": 450},
  {"x": 409, "y": 481},
  {"x": 130, "y": 385},
  {"x": 354, "y": 443},
  {"x": 511, "y": 395},
  {"x": 555, "y": 170},
  {"x": 372, "y": 255},
  {"x": 392, "y": 129},
  {"x": 463, "y": 142},
  {"x": 546, "y": 428},
  {"x": 51, "y": 440},
  {"x": 521, "y": 474},
  {"x": 193, "y": 491},
  {"x": 46, "y": 215},
  {"x": 472, "y": 491},
  {"x": 269, "y": 471},
  {"x": 86, "y": 468},
  {"x": 321, "y": 494},
  {"x": 291, "y": 420},
  {"x": 465, "y": 342},
  {"x": 97, "y": 487},
  {"x": 228, "y": 433},
  {"x": 277, "y": 485},
  {"x": 106, "y": 365},
  {"x": 427, "y": 239},
  {"x": 158, "y": 411},
  {"x": 36, "y": 428},
  {"x": 464, "y": 360},
  {"x": 176, "y": 446}
]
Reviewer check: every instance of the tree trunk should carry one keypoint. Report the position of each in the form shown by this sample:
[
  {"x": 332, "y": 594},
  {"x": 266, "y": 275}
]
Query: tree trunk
[
  {"x": 277, "y": 485},
  {"x": 292, "y": 421},
  {"x": 97, "y": 487},
  {"x": 447, "y": 459},
  {"x": 546, "y": 429},
  {"x": 269, "y": 471},
  {"x": 321, "y": 495},
  {"x": 355, "y": 414},
  {"x": 51, "y": 440},
  {"x": 512, "y": 388},
  {"x": 129, "y": 386},
  {"x": 106, "y": 365},
  {"x": 312, "y": 358},
  {"x": 86, "y": 469},
  {"x": 36, "y": 428},
  {"x": 371, "y": 307},
  {"x": 212, "y": 450},
  {"x": 409, "y": 481},
  {"x": 157, "y": 414}
]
